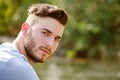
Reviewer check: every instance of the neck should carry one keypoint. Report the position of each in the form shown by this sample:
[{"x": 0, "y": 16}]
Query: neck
[{"x": 18, "y": 42}]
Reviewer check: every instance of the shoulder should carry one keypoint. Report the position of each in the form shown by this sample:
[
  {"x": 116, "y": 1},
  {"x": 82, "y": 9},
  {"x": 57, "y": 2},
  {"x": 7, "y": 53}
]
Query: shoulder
[{"x": 16, "y": 69}]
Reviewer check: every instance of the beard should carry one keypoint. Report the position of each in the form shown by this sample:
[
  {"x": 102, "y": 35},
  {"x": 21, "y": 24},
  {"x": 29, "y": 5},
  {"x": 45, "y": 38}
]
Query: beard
[{"x": 29, "y": 45}]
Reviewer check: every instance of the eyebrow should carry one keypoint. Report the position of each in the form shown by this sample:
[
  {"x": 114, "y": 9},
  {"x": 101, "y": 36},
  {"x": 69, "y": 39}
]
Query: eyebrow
[
  {"x": 51, "y": 33},
  {"x": 47, "y": 30}
]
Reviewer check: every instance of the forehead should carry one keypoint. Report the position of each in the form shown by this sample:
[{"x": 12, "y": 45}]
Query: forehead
[{"x": 49, "y": 23}]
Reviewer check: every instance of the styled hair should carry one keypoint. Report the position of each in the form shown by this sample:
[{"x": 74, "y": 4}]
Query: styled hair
[{"x": 47, "y": 10}]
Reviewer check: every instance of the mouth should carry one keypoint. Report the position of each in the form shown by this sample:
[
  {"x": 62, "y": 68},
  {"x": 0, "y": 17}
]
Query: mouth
[{"x": 45, "y": 50}]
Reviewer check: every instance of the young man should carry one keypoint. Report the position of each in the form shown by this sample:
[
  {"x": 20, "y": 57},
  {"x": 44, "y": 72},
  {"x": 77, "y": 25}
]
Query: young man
[{"x": 36, "y": 42}]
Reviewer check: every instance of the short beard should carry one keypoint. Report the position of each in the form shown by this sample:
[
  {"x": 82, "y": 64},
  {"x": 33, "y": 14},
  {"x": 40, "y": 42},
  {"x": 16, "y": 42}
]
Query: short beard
[{"x": 29, "y": 44}]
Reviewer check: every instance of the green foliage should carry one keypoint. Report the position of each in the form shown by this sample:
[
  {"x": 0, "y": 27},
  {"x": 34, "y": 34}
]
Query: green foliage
[
  {"x": 92, "y": 23},
  {"x": 8, "y": 8},
  {"x": 70, "y": 54}
]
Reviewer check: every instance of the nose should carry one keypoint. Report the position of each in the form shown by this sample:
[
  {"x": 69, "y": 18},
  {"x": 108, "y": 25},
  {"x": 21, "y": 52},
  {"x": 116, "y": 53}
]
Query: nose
[{"x": 50, "y": 42}]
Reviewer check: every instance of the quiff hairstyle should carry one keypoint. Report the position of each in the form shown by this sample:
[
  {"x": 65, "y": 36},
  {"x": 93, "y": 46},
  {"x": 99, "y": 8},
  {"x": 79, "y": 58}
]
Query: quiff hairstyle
[{"x": 47, "y": 10}]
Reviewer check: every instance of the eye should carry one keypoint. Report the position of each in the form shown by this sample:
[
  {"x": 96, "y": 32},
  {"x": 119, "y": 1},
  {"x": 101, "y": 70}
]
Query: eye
[
  {"x": 46, "y": 33},
  {"x": 57, "y": 39}
]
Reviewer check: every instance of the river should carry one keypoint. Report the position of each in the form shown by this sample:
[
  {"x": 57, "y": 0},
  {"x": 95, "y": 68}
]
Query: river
[{"x": 60, "y": 69}]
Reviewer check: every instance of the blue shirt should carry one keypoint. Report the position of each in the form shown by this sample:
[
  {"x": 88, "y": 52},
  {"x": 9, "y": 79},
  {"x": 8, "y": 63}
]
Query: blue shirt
[{"x": 13, "y": 65}]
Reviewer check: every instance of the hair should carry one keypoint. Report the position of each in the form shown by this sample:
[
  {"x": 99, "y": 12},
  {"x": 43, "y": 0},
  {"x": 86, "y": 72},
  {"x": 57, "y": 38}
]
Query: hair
[{"x": 47, "y": 10}]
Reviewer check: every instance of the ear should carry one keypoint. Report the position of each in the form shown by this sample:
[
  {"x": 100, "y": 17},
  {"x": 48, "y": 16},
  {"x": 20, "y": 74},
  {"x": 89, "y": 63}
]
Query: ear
[{"x": 24, "y": 28}]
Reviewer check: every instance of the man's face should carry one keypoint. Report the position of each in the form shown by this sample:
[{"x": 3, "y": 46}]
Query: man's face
[{"x": 43, "y": 38}]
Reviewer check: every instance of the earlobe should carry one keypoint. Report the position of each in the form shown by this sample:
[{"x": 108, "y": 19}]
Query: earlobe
[{"x": 24, "y": 28}]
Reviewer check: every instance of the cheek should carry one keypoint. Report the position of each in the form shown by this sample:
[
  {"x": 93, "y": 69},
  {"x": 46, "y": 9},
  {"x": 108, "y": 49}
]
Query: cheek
[
  {"x": 39, "y": 40},
  {"x": 55, "y": 47}
]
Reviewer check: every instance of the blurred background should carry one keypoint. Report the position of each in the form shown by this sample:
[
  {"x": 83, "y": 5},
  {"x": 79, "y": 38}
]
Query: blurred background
[{"x": 90, "y": 48}]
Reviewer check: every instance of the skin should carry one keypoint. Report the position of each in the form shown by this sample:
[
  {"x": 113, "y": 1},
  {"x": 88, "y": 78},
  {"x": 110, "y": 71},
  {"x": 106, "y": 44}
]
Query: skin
[{"x": 39, "y": 38}]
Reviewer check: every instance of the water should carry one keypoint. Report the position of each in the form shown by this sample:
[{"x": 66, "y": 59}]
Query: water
[{"x": 60, "y": 69}]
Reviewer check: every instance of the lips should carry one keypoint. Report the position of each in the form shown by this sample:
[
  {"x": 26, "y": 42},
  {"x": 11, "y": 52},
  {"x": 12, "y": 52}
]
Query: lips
[{"x": 47, "y": 51}]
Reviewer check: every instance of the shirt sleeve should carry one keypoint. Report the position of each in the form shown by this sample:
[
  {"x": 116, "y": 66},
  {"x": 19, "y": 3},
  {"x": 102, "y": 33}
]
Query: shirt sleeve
[{"x": 16, "y": 69}]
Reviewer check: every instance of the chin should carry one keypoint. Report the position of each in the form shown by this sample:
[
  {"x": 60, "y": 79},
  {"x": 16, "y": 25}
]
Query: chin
[{"x": 41, "y": 60}]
